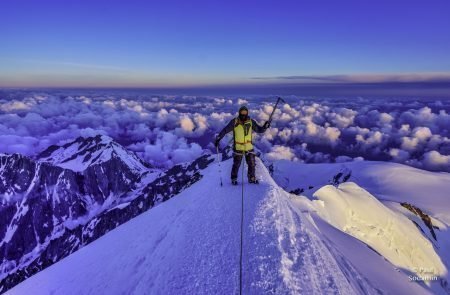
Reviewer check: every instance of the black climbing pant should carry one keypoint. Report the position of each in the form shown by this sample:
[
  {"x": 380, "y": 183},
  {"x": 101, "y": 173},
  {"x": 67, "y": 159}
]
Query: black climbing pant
[{"x": 237, "y": 159}]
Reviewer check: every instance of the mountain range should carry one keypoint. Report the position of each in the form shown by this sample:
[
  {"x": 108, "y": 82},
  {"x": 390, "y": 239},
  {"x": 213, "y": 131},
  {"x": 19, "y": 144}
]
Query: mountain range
[{"x": 89, "y": 216}]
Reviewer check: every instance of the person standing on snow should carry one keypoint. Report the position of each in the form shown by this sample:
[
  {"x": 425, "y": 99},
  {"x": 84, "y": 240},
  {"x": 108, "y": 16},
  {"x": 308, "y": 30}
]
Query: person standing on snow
[{"x": 242, "y": 128}]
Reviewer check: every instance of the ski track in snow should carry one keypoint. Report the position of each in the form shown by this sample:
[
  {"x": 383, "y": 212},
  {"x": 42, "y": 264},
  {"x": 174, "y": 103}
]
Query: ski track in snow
[{"x": 190, "y": 245}]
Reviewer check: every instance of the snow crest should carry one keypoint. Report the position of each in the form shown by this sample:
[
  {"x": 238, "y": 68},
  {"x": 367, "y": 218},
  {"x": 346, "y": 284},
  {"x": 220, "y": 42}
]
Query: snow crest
[{"x": 356, "y": 212}]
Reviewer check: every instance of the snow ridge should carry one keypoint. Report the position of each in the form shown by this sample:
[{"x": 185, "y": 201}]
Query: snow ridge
[{"x": 190, "y": 244}]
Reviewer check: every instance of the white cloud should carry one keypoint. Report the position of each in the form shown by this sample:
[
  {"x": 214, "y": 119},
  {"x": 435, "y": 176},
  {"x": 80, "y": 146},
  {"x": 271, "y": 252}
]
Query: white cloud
[
  {"x": 399, "y": 155},
  {"x": 186, "y": 124},
  {"x": 405, "y": 131},
  {"x": 242, "y": 101},
  {"x": 409, "y": 143},
  {"x": 433, "y": 160},
  {"x": 422, "y": 133},
  {"x": 279, "y": 152}
]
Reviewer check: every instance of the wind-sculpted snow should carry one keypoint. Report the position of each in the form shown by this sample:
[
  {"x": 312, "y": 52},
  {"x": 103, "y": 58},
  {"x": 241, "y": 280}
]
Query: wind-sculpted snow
[
  {"x": 390, "y": 182},
  {"x": 356, "y": 212},
  {"x": 165, "y": 129},
  {"x": 399, "y": 211}
]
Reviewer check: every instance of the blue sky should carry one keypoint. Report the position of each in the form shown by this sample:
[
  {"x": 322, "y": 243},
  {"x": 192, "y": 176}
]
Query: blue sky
[{"x": 185, "y": 43}]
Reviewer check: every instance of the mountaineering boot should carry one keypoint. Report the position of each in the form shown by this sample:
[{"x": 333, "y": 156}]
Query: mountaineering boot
[
  {"x": 234, "y": 182},
  {"x": 253, "y": 180}
]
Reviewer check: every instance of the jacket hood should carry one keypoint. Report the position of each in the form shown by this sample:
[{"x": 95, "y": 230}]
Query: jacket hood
[{"x": 243, "y": 108}]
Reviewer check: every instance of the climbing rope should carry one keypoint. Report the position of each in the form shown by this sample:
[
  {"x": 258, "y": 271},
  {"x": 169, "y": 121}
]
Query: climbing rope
[
  {"x": 242, "y": 225},
  {"x": 220, "y": 169}
]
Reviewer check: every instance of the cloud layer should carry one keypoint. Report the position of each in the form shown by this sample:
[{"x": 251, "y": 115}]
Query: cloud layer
[
  {"x": 442, "y": 77},
  {"x": 166, "y": 130}
]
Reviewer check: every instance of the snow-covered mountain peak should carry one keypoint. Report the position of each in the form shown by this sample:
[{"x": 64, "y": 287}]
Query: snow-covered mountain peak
[
  {"x": 48, "y": 211},
  {"x": 81, "y": 153},
  {"x": 363, "y": 226},
  {"x": 290, "y": 244}
]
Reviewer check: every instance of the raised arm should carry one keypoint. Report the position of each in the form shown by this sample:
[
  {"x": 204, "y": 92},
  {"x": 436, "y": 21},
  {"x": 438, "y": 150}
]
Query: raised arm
[{"x": 259, "y": 129}]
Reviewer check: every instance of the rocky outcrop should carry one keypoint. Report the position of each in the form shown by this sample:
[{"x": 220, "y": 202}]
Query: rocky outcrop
[
  {"x": 425, "y": 218},
  {"x": 48, "y": 210}
]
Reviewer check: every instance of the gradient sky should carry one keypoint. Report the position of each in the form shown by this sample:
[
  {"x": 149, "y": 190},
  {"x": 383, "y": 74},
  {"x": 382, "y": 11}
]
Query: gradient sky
[{"x": 184, "y": 43}]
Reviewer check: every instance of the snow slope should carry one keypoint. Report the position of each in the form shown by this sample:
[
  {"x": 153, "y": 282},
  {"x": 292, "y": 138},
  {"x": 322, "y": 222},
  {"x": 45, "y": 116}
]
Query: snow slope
[
  {"x": 190, "y": 245},
  {"x": 386, "y": 181},
  {"x": 375, "y": 210},
  {"x": 353, "y": 210}
]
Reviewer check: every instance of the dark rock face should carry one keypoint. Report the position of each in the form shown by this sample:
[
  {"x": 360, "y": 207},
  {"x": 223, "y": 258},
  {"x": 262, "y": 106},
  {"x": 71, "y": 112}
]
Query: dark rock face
[
  {"x": 341, "y": 177},
  {"x": 425, "y": 218},
  {"x": 47, "y": 211},
  {"x": 297, "y": 191},
  {"x": 16, "y": 173}
]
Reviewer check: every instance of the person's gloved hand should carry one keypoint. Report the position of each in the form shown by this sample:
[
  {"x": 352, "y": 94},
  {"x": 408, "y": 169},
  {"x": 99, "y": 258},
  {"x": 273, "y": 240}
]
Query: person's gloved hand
[
  {"x": 266, "y": 125},
  {"x": 216, "y": 142}
]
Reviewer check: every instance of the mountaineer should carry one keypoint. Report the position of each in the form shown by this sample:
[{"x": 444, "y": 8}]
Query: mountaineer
[{"x": 242, "y": 127}]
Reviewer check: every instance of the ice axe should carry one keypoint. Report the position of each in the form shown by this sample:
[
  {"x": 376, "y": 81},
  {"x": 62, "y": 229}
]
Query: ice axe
[{"x": 274, "y": 108}]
